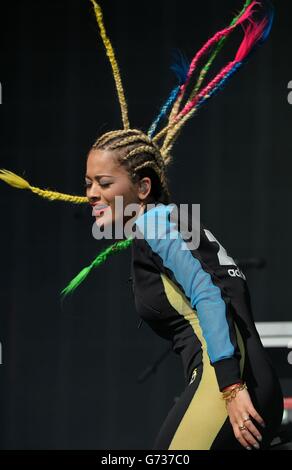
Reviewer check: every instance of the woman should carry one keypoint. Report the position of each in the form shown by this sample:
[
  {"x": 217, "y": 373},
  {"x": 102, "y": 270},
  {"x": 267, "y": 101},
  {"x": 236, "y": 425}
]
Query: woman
[
  {"x": 192, "y": 298},
  {"x": 195, "y": 296}
]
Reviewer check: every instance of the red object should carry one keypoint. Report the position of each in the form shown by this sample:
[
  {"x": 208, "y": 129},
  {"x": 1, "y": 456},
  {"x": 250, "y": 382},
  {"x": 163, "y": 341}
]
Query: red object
[
  {"x": 288, "y": 403},
  {"x": 230, "y": 387}
]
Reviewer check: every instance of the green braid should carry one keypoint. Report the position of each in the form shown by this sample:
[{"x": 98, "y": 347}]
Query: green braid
[
  {"x": 218, "y": 48},
  {"x": 101, "y": 258}
]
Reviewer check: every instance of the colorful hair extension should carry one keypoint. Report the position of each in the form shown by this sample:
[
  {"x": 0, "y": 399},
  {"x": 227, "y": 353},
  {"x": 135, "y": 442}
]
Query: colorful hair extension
[
  {"x": 17, "y": 182},
  {"x": 255, "y": 35},
  {"x": 223, "y": 34},
  {"x": 163, "y": 112},
  {"x": 218, "y": 48},
  {"x": 101, "y": 258},
  {"x": 180, "y": 67},
  {"x": 115, "y": 68},
  {"x": 203, "y": 97},
  {"x": 219, "y": 37}
]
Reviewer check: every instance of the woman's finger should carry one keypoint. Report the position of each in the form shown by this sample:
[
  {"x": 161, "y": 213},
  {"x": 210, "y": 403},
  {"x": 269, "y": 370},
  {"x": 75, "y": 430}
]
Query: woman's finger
[
  {"x": 247, "y": 422},
  {"x": 249, "y": 438},
  {"x": 257, "y": 417},
  {"x": 239, "y": 436}
]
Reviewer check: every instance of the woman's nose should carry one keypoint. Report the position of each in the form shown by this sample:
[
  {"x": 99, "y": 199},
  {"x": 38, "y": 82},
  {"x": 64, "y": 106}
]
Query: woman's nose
[{"x": 93, "y": 192}]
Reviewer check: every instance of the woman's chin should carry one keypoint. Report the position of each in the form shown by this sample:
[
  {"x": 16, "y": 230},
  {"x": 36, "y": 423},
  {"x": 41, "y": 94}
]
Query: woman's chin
[{"x": 103, "y": 221}]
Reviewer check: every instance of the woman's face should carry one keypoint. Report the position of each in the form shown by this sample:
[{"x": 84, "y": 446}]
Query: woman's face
[{"x": 106, "y": 178}]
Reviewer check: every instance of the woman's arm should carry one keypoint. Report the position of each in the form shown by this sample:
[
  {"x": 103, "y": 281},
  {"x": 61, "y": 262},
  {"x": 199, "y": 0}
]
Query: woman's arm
[
  {"x": 185, "y": 267},
  {"x": 214, "y": 311}
]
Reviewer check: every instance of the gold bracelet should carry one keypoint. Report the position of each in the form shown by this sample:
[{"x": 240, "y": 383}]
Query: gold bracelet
[{"x": 229, "y": 395}]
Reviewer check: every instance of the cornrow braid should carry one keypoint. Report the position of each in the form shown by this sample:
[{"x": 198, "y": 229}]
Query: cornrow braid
[
  {"x": 105, "y": 138},
  {"x": 131, "y": 136},
  {"x": 158, "y": 166},
  {"x": 154, "y": 166},
  {"x": 147, "y": 149},
  {"x": 134, "y": 146},
  {"x": 131, "y": 139}
]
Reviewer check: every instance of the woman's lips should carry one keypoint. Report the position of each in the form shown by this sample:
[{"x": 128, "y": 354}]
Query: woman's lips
[{"x": 97, "y": 211}]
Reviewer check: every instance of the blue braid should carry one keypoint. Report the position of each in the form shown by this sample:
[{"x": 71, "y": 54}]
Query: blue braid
[
  {"x": 163, "y": 111},
  {"x": 220, "y": 85},
  {"x": 180, "y": 67}
]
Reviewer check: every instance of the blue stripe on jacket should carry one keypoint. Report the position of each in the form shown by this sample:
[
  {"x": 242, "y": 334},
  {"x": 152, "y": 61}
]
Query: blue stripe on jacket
[{"x": 205, "y": 297}]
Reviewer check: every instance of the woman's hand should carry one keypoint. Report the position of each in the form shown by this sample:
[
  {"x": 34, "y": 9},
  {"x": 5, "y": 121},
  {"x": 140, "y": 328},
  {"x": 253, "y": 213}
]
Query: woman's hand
[{"x": 240, "y": 410}]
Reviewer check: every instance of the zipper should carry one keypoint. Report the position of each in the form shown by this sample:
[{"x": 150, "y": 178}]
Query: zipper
[{"x": 132, "y": 285}]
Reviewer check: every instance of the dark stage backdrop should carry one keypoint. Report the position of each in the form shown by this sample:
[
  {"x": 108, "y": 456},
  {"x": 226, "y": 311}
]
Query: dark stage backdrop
[{"x": 69, "y": 371}]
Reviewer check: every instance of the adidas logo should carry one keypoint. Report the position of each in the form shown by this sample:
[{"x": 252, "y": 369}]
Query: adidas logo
[{"x": 236, "y": 273}]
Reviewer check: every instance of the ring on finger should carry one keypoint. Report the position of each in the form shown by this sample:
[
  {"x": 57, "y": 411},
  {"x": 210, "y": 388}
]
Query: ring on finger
[
  {"x": 246, "y": 419},
  {"x": 242, "y": 428}
]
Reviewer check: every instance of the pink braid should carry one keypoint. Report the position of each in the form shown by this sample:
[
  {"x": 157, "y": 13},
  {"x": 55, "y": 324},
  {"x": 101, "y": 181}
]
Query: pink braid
[
  {"x": 216, "y": 38},
  {"x": 206, "y": 90}
]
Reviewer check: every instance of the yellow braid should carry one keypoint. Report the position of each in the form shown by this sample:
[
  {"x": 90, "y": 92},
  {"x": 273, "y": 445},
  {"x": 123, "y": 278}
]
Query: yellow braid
[
  {"x": 115, "y": 68},
  {"x": 175, "y": 108},
  {"x": 138, "y": 136},
  {"x": 17, "y": 182},
  {"x": 146, "y": 149},
  {"x": 158, "y": 166},
  {"x": 173, "y": 132},
  {"x": 131, "y": 139},
  {"x": 163, "y": 131},
  {"x": 131, "y": 136},
  {"x": 158, "y": 171},
  {"x": 167, "y": 158},
  {"x": 105, "y": 138},
  {"x": 54, "y": 196}
]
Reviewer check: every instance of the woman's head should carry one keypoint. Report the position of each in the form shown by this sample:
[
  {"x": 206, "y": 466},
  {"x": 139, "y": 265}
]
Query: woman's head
[{"x": 124, "y": 163}]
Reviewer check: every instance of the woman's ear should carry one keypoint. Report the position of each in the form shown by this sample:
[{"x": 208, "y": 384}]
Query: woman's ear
[{"x": 144, "y": 187}]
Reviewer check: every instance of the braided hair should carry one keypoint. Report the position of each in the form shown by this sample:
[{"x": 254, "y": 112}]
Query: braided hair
[
  {"x": 149, "y": 154},
  {"x": 141, "y": 157}
]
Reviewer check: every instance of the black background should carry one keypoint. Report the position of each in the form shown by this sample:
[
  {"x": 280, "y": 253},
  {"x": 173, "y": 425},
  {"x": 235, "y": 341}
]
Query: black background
[{"x": 69, "y": 371}]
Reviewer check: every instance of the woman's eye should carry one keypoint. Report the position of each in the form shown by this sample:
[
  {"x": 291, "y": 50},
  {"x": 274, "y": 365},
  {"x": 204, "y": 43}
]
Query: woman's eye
[{"x": 102, "y": 185}]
